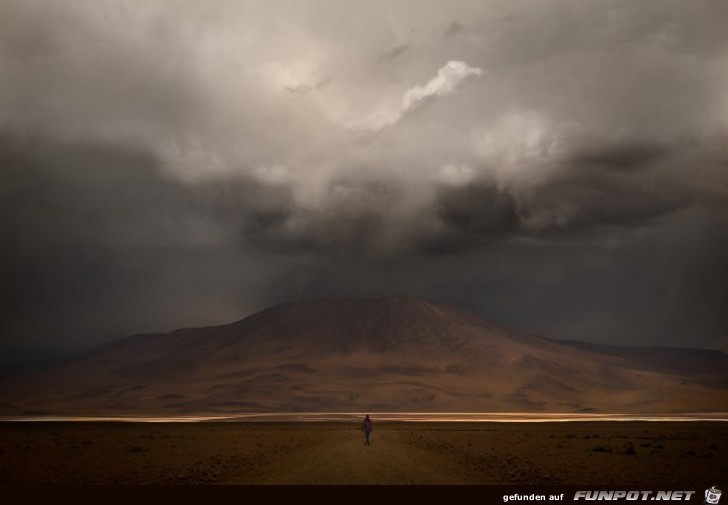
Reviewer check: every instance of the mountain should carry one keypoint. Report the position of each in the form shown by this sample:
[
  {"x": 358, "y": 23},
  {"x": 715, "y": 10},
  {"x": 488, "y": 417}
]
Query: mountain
[{"x": 379, "y": 353}]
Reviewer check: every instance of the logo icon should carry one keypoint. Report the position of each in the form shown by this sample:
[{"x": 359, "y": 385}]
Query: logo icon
[{"x": 712, "y": 495}]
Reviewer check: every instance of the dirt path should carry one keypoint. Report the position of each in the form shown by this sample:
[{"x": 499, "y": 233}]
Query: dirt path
[{"x": 342, "y": 458}]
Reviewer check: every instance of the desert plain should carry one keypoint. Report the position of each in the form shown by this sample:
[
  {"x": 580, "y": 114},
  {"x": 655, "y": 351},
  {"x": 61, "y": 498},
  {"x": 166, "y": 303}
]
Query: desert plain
[{"x": 543, "y": 453}]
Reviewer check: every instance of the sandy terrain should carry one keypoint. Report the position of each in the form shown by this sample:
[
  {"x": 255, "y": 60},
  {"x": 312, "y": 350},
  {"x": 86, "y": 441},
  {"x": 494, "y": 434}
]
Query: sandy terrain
[{"x": 693, "y": 453}]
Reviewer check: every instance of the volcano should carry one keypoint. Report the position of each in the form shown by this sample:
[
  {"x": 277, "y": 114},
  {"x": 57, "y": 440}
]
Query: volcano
[{"x": 379, "y": 354}]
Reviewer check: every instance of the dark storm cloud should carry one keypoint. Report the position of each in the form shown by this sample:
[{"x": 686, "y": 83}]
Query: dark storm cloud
[
  {"x": 166, "y": 163},
  {"x": 98, "y": 243},
  {"x": 622, "y": 156},
  {"x": 480, "y": 209},
  {"x": 579, "y": 197},
  {"x": 356, "y": 220}
]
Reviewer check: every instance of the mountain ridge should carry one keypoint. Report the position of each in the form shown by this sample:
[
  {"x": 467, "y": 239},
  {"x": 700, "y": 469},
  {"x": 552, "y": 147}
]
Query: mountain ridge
[{"x": 386, "y": 353}]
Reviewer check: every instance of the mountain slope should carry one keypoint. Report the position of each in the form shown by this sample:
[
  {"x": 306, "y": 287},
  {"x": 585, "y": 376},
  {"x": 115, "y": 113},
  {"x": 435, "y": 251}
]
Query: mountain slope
[{"x": 383, "y": 353}]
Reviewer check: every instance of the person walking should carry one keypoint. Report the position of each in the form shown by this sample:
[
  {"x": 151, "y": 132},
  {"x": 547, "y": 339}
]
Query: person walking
[{"x": 366, "y": 427}]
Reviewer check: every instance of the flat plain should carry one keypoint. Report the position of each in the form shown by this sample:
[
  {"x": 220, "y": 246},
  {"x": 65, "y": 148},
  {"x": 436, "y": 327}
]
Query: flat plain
[{"x": 548, "y": 453}]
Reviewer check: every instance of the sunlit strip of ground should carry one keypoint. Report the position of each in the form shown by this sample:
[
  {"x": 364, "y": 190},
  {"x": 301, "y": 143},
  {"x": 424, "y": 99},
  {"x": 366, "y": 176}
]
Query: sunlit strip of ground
[{"x": 506, "y": 417}]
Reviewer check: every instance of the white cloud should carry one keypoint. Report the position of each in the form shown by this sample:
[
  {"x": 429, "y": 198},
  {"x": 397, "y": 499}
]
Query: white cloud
[{"x": 445, "y": 83}]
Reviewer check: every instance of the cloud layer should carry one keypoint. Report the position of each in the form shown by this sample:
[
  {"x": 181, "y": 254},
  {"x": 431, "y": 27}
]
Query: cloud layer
[{"x": 562, "y": 169}]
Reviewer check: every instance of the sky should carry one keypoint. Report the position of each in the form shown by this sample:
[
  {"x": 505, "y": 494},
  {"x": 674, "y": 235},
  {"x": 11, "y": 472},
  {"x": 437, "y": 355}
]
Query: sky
[{"x": 557, "y": 167}]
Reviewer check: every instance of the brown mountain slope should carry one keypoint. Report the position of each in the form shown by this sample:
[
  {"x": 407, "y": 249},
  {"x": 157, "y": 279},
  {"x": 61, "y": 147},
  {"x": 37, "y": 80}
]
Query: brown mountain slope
[{"x": 383, "y": 353}]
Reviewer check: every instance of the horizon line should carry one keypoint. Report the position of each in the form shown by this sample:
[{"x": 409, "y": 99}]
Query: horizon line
[{"x": 462, "y": 417}]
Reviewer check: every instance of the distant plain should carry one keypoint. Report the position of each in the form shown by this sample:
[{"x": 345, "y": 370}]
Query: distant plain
[{"x": 598, "y": 452}]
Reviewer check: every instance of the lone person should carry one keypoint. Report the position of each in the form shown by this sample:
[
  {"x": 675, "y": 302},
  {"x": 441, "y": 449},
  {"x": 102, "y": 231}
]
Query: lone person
[{"x": 366, "y": 427}]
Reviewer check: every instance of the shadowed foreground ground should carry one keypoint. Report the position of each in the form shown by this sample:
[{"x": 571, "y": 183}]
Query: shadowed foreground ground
[{"x": 694, "y": 453}]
